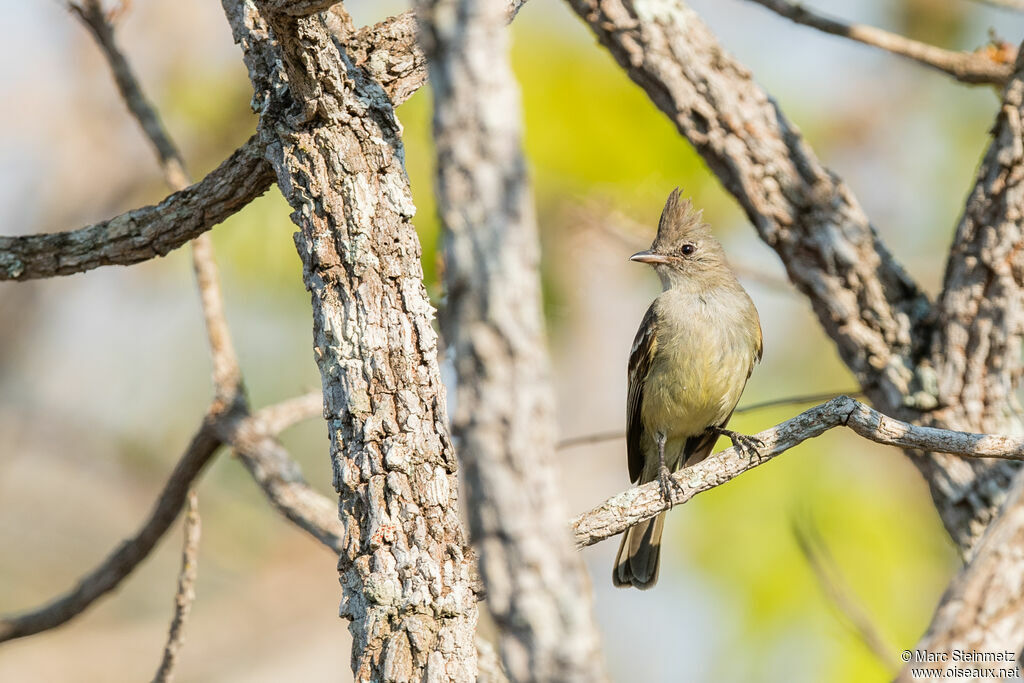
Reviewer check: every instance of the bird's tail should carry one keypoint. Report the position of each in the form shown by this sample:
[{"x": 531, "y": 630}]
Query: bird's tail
[{"x": 639, "y": 555}]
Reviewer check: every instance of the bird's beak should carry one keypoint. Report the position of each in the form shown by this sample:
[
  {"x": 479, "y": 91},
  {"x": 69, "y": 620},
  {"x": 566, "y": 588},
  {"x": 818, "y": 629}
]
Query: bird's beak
[{"x": 648, "y": 257}]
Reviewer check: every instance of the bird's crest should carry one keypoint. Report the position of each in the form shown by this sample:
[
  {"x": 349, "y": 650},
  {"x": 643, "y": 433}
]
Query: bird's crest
[{"x": 679, "y": 218}]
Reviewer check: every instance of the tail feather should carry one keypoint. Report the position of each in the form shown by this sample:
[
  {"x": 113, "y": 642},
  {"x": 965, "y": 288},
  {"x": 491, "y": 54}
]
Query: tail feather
[{"x": 638, "y": 560}]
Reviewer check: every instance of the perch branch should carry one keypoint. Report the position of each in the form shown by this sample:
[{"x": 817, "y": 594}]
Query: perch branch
[{"x": 640, "y": 503}]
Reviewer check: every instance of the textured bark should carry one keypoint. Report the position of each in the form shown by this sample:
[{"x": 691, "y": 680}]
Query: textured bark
[
  {"x": 537, "y": 587},
  {"x": 144, "y": 233},
  {"x": 332, "y": 138},
  {"x": 873, "y": 311},
  {"x": 976, "y": 354},
  {"x": 976, "y": 349},
  {"x": 390, "y": 52}
]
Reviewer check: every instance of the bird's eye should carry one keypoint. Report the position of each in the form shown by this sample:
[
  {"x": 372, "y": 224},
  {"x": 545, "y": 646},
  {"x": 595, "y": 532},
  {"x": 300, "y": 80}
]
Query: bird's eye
[{"x": 688, "y": 249}]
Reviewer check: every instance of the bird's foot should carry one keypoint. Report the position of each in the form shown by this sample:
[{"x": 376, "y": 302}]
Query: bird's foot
[
  {"x": 744, "y": 444},
  {"x": 668, "y": 485}
]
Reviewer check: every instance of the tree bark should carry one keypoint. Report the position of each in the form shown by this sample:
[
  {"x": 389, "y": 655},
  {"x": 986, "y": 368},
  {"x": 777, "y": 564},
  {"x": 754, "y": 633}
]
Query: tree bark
[
  {"x": 332, "y": 138},
  {"x": 537, "y": 587}
]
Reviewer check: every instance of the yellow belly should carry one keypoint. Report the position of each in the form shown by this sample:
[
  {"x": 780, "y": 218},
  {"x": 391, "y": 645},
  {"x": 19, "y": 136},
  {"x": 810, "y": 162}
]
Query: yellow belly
[{"x": 693, "y": 388}]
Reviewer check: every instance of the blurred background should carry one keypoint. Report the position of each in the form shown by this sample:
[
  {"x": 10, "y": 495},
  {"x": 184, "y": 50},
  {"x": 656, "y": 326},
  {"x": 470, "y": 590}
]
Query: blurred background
[{"x": 104, "y": 375}]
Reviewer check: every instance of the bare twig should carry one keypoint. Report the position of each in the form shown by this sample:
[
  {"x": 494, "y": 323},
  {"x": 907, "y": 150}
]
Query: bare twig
[
  {"x": 186, "y": 593},
  {"x": 227, "y": 377},
  {"x": 279, "y": 473},
  {"x": 226, "y": 374},
  {"x": 852, "y": 614},
  {"x": 225, "y": 417},
  {"x": 99, "y": 24},
  {"x": 131, "y": 552},
  {"x": 796, "y": 400},
  {"x": 279, "y": 476},
  {"x": 643, "y": 502},
  {"x": 600, "y": 437},
  {"x": 983, "y": 66},
  {"x": 280, "y": 416}
]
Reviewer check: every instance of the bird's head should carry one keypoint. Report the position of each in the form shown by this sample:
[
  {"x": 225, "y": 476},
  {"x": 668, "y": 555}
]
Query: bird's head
[{"x": 684, "y": 251}]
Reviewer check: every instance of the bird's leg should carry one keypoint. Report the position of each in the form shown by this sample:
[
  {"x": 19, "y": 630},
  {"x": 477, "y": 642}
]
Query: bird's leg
[
  {"x": 743, "y": 443},
  {"x": 665, "y": 480}
]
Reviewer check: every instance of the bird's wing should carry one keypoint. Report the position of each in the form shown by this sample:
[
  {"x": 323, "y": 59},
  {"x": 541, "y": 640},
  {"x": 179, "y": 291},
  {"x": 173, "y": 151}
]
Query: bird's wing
[{"x": 640, "y": 359}]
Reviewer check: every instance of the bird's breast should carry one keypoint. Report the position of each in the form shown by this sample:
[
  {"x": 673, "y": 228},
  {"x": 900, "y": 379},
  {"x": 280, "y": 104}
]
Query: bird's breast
[{"x": 699, "y": 370}]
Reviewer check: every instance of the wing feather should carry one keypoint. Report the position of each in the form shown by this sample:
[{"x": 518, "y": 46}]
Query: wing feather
[{"x": 640, "y": 359}]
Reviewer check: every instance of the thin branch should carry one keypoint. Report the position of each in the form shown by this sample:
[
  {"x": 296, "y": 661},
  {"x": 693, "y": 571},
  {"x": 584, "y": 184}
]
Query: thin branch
[
  {"x": 229, "y": 413},
  {"x": 186, "y": 593},
  {"x": 226, "y": 373},
  {"x": 251, "y": 438},
  {"x": 276, "y": 418},
  {"x": 852, "y": 614},
  {"x": 105, "y": 577},
  {"x": 967, "y": 67},
  {"x": 640, "y": 503},
  {"x": 144, "y": 233},
  {"x": 289, "y": 493},
  {"x": 796, "y": 400},
  {"x": 100, "y": 25},
  {"x": 599, "y": 437},
  {"x": 227, "y": 376}
]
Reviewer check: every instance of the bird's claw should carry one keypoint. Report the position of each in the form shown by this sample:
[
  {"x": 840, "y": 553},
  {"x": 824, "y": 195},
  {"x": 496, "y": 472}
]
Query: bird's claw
[
  {"x": 668, "y": 484},
  {"x": 746, "y": 445}
]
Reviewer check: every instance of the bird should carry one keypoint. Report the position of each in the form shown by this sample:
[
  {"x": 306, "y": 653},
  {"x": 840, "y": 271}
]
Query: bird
[{"x": 690, "y": 361}]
